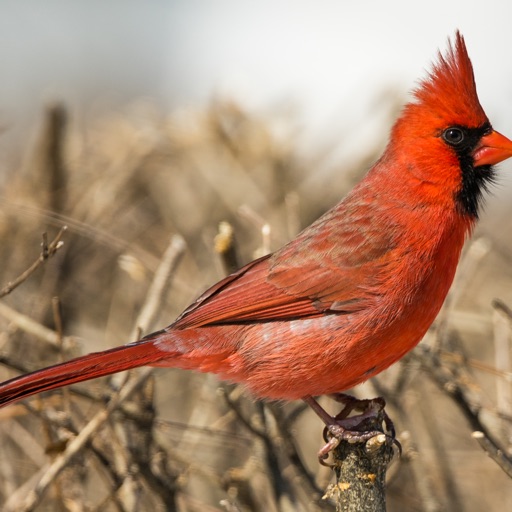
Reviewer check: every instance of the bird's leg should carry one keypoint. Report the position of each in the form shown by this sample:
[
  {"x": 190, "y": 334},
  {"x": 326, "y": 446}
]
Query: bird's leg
[{"x": 353, "y": 429}]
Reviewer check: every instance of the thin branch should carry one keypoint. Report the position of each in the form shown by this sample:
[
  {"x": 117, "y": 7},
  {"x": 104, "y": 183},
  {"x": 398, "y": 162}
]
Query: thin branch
[
  {"x": 471, "y": 411},
  {"x": 225, "y": 246},
  {"x": 130, "y": 490},
  {"x": 48, "y": 250},
  {"x": 161, "y": 279},
  {"x": 27, "y": 324},
  {"x": 501, "y": 306},
  {"x": 51, "y": 471},
  {"x": 496, "y": 454},
  {"x": 289, "y": 445},
  {"x": 241, "y": 417}
]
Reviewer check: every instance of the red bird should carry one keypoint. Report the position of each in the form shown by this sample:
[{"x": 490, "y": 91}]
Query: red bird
[{"x": 354, "y": 291}]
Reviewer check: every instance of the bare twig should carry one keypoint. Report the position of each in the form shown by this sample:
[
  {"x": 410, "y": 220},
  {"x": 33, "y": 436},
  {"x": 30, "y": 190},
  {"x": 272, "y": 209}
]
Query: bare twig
[
  {"x": 84, "y": 229},
  {"x": 247, "y": 423},
  {"x": 160, "y": 281},
  {"x": 48, "y": 250},
  {"x": 130, "y": 490},
  {"x": 502, "y": 362},
  {"x": 225, "y": 246},
  {"x": 57, "y": 319},
  {"x": 51, "y": 471},
  {"x": 501, "y": 306},
  {"x": 163, "y": 274},
  {"x": 476, "y": 252},
  {"x": 30, "y": 326},
  {"x": 305, "y": 478},
  {"x": 471, "y": 411},
  {"x": 494, "y": 452},
  {"x": 461, "y": 359}
]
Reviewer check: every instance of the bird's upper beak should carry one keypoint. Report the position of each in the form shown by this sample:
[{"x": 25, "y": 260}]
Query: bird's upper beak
[{"x": 492, "y": 149}]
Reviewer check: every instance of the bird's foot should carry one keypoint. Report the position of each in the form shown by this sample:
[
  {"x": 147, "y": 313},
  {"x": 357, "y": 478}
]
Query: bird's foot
[{"x": 371, "y": 421}]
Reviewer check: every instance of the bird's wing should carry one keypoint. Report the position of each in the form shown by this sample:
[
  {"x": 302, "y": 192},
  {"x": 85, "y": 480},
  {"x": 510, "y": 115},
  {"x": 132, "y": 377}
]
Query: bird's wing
[
  {"x": 337, "y": 271},
  {"x": 244, "y": 296}
]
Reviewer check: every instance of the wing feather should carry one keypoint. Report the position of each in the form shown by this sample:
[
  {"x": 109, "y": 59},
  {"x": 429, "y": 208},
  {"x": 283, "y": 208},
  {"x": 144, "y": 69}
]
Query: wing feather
[{"x": 337, "y": 272}]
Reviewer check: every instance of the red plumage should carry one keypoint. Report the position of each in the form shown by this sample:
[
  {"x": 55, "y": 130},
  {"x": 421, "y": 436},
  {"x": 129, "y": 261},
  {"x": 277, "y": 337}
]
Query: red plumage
[{"x": 354, "y": 291}]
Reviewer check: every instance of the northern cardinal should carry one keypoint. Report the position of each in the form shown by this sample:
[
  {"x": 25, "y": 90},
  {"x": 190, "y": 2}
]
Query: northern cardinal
[{"x": 353, "y": 292}]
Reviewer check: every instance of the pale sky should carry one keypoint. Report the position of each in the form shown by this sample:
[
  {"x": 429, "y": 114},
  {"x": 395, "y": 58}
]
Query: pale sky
[{"x": 329, "y": 58}]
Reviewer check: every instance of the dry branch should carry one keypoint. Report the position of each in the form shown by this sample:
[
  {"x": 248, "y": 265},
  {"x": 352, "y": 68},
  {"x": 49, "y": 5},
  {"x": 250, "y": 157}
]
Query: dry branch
[
  {"x": 30, "y": 326},
  {"x": 48, "y": 250},
  {"x": 360, "y": 470}
]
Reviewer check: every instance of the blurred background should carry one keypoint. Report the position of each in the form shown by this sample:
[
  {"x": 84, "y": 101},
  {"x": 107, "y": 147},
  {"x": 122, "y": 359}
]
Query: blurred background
[{"x": 143, "y": 124}]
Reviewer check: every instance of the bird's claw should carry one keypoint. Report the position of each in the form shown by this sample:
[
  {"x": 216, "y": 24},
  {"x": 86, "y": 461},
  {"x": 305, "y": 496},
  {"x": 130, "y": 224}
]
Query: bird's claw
[
  {"x": 350, "y": 436},
  {"x": 335, "y": 434},
  {"x": 357, "y": 428}
]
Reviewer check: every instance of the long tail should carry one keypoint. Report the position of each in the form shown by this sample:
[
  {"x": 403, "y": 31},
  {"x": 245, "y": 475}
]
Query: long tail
[{"x": 91, "y": 366}]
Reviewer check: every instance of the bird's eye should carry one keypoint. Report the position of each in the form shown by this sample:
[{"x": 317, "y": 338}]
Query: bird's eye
[{"x": 453, "y": 136}]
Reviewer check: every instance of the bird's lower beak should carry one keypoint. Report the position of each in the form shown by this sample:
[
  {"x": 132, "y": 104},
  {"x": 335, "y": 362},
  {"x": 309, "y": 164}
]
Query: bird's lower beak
[{"x": 492, "y": 149}]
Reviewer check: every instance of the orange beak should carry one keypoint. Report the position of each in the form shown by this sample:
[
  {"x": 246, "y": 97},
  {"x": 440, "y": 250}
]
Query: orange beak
[{"x": 492, "y": 149}]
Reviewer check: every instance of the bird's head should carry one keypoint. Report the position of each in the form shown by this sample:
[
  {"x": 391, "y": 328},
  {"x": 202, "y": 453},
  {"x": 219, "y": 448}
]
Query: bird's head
[{"x": 449, "y": 138}]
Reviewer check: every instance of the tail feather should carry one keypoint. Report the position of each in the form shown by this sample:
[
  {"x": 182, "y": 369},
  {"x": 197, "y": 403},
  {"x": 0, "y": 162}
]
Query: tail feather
[{"x": 91, "y": 366}]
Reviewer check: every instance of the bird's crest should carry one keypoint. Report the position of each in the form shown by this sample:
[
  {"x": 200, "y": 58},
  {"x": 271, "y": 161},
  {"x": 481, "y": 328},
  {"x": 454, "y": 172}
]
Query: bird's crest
[{"x": 449, "y": 91}]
